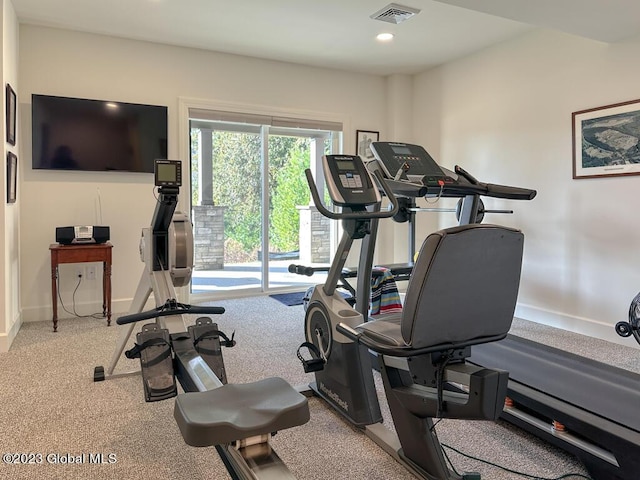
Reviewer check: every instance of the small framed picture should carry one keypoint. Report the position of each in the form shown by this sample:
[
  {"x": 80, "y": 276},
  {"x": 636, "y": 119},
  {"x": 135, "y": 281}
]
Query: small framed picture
[
  {"x": 11, "y": 115},
  {"x": 12, "y": 174},
  {"x": 363, "y": 142}
]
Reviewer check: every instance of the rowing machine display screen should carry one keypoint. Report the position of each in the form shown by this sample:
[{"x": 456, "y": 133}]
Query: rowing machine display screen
[{"x": 168, "y": 173}]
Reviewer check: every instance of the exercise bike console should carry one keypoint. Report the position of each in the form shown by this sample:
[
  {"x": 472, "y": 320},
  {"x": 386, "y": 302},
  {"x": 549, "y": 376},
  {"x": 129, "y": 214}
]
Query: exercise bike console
[
  {"x": 350, "y": 185},
  {"x": 350, "y": 182}
]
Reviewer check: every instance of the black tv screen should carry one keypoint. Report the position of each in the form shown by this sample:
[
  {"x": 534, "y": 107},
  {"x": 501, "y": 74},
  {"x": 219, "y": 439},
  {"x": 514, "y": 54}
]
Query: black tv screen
[{"x": 96, "y": 135}]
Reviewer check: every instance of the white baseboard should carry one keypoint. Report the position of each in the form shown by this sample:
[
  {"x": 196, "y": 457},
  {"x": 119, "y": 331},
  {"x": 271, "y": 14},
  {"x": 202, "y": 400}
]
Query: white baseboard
[
  {"x": 45, "y": 313},
  {"x": 6, "y": 339},
  {"x": 581, "y": 325}
]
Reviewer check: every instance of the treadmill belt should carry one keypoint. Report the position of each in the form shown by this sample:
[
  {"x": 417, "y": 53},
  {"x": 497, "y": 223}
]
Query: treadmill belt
[{"x": 601, "y": 389}]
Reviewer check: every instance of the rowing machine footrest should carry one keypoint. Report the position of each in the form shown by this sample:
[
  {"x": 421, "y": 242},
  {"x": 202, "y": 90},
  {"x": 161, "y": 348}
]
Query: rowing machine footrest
[
  {"x": 153, "y": 347},
  {"x": 206, "y": 340},
  {"x": 315, "y": 363}
]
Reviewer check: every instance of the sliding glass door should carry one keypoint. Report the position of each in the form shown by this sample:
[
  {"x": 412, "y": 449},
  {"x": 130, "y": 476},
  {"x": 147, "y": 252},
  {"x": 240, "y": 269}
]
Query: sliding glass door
[{"x": 251, "y": 205}]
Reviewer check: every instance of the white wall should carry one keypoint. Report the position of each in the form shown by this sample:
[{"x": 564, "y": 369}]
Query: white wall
[
  {"x": 59, "y": 62},
  {"x": 393, "y": 238},
  {"x": 10, "y": 319},
  {"x": 505, "y": 115}
]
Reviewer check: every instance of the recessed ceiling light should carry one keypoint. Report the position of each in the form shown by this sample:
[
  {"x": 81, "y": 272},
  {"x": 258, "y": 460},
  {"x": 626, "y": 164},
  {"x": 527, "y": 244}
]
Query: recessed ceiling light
[
  {"x": 111, "y": 105},
  {"x": 384, "y": 37}
]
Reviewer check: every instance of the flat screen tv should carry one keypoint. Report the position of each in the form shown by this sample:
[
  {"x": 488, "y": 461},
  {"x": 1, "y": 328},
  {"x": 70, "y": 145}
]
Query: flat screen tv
[{"x": 96, "y": 135}]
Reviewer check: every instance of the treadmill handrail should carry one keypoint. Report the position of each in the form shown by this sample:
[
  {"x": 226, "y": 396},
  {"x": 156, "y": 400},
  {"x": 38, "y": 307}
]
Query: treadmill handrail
[
  {"x": 459, "y": 189},
  {"x": 498, "y": 191},
  {"x": 511, "y": 193}
]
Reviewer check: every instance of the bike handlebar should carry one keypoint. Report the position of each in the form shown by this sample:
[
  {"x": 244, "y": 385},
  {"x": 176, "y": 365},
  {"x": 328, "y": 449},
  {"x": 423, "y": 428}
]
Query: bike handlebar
[{"x": 353, "y": 215}]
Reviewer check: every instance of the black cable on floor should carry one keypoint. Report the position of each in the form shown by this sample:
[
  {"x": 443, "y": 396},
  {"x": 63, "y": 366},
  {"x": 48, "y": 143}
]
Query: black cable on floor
[{"x": 516, "y": 472}]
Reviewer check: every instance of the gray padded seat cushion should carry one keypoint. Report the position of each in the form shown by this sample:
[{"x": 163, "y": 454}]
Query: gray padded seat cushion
[
  {"x": 384, "y": 329},
  {"x": 236, "y": 411}
]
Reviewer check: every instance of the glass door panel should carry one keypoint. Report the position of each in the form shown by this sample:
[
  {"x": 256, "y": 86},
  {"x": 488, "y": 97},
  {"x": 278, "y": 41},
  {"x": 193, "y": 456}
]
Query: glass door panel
[
  {"x": 226, "y": 203},
  {"x": 297, "y": 233}
]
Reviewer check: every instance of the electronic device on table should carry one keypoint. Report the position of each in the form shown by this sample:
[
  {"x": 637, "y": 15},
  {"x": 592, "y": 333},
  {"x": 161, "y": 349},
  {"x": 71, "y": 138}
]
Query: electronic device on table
[{"x": 82, "y": 234}]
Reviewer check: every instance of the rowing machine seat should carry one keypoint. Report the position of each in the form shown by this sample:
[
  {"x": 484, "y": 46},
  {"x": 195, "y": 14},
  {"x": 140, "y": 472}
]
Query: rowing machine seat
[{"x": 236, "y": 411}]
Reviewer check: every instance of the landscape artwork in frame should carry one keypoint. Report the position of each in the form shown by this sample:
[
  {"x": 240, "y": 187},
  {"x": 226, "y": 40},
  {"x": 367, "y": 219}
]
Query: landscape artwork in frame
[
  {"x": 606, "y": 141},
  {"x": 363, "y": 142}
]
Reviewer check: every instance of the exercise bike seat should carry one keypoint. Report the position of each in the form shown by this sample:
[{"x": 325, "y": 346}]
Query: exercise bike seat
[
  {"x": 236, "y": 411},
  {"x": 384, "y": 329},
  {"x": 462, "y": 292}
]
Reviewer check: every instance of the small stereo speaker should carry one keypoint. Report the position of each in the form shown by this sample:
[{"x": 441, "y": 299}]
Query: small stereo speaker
[{"x": 82, "y": 234}]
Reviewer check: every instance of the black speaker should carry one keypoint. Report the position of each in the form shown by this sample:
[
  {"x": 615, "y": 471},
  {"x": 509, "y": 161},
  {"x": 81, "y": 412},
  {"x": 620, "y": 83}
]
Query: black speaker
[{"x": 82, "y": 234}]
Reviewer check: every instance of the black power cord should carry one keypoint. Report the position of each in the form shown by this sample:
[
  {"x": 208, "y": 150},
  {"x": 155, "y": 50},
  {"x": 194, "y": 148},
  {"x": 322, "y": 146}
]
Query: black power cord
[
  {"x": 506, "y": 469},
  {"x": 510, "y": 470},
  {"x": 96, "y": 315}
]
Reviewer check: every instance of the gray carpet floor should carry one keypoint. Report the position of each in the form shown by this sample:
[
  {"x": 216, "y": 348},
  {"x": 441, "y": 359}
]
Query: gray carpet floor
[{"x": 51, "y": 407}]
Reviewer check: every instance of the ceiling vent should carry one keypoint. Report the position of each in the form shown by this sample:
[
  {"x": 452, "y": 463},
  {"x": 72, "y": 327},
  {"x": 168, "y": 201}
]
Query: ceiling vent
[{"x": 394, "y": 13}]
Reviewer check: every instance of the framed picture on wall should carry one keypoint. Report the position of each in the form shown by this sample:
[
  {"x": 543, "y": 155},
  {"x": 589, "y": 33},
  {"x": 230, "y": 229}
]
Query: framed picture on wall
[
  {"x": 11, "y": 115},
  {"x": 12, "y": 174},
  {"x": 363, "y": 141},
  {"x": 606, "y": 141}
]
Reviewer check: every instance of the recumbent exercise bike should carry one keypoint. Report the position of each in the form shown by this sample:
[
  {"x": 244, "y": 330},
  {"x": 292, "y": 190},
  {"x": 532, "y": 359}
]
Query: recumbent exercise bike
[{"x": 462, "y": 292}]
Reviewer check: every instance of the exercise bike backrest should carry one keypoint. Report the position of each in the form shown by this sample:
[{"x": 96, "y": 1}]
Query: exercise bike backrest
[{"x": 351, "y": 185}]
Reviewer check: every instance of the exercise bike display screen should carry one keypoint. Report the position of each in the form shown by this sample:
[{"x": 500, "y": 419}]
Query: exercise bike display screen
[{"x": 345, "y": 165}]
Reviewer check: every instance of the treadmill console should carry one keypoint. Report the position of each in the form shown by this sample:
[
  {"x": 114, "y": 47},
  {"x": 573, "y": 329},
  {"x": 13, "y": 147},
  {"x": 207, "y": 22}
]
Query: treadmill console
[
  {"x": 407, "y": 161},
  {"x": 349, "y": 181}
]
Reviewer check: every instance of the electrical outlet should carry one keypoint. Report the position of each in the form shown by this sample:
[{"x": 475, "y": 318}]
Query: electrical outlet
[
  {"x": 91, "y": 273},
  {"x": 79, "y": 272}
]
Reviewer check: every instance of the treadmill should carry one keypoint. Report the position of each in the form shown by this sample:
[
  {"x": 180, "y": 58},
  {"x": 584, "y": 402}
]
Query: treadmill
[{"x": 582, "y": 406}]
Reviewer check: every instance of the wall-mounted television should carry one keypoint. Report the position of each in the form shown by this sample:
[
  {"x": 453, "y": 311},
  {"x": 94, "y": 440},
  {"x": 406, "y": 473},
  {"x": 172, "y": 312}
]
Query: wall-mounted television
[{"x": 96, "y": 135}]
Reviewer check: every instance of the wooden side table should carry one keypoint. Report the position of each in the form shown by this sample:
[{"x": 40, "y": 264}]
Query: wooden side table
[{"x": 80, "y": 253}]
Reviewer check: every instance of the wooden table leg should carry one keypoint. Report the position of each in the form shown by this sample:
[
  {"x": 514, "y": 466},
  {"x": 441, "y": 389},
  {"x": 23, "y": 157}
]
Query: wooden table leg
[
  {"x": 106, "y": 293},
  {"x": 54, "y": 295}
]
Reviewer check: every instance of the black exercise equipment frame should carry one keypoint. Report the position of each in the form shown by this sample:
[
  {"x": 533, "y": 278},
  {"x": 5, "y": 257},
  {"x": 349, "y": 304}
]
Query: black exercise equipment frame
[{"x": 195, "y": 370}]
